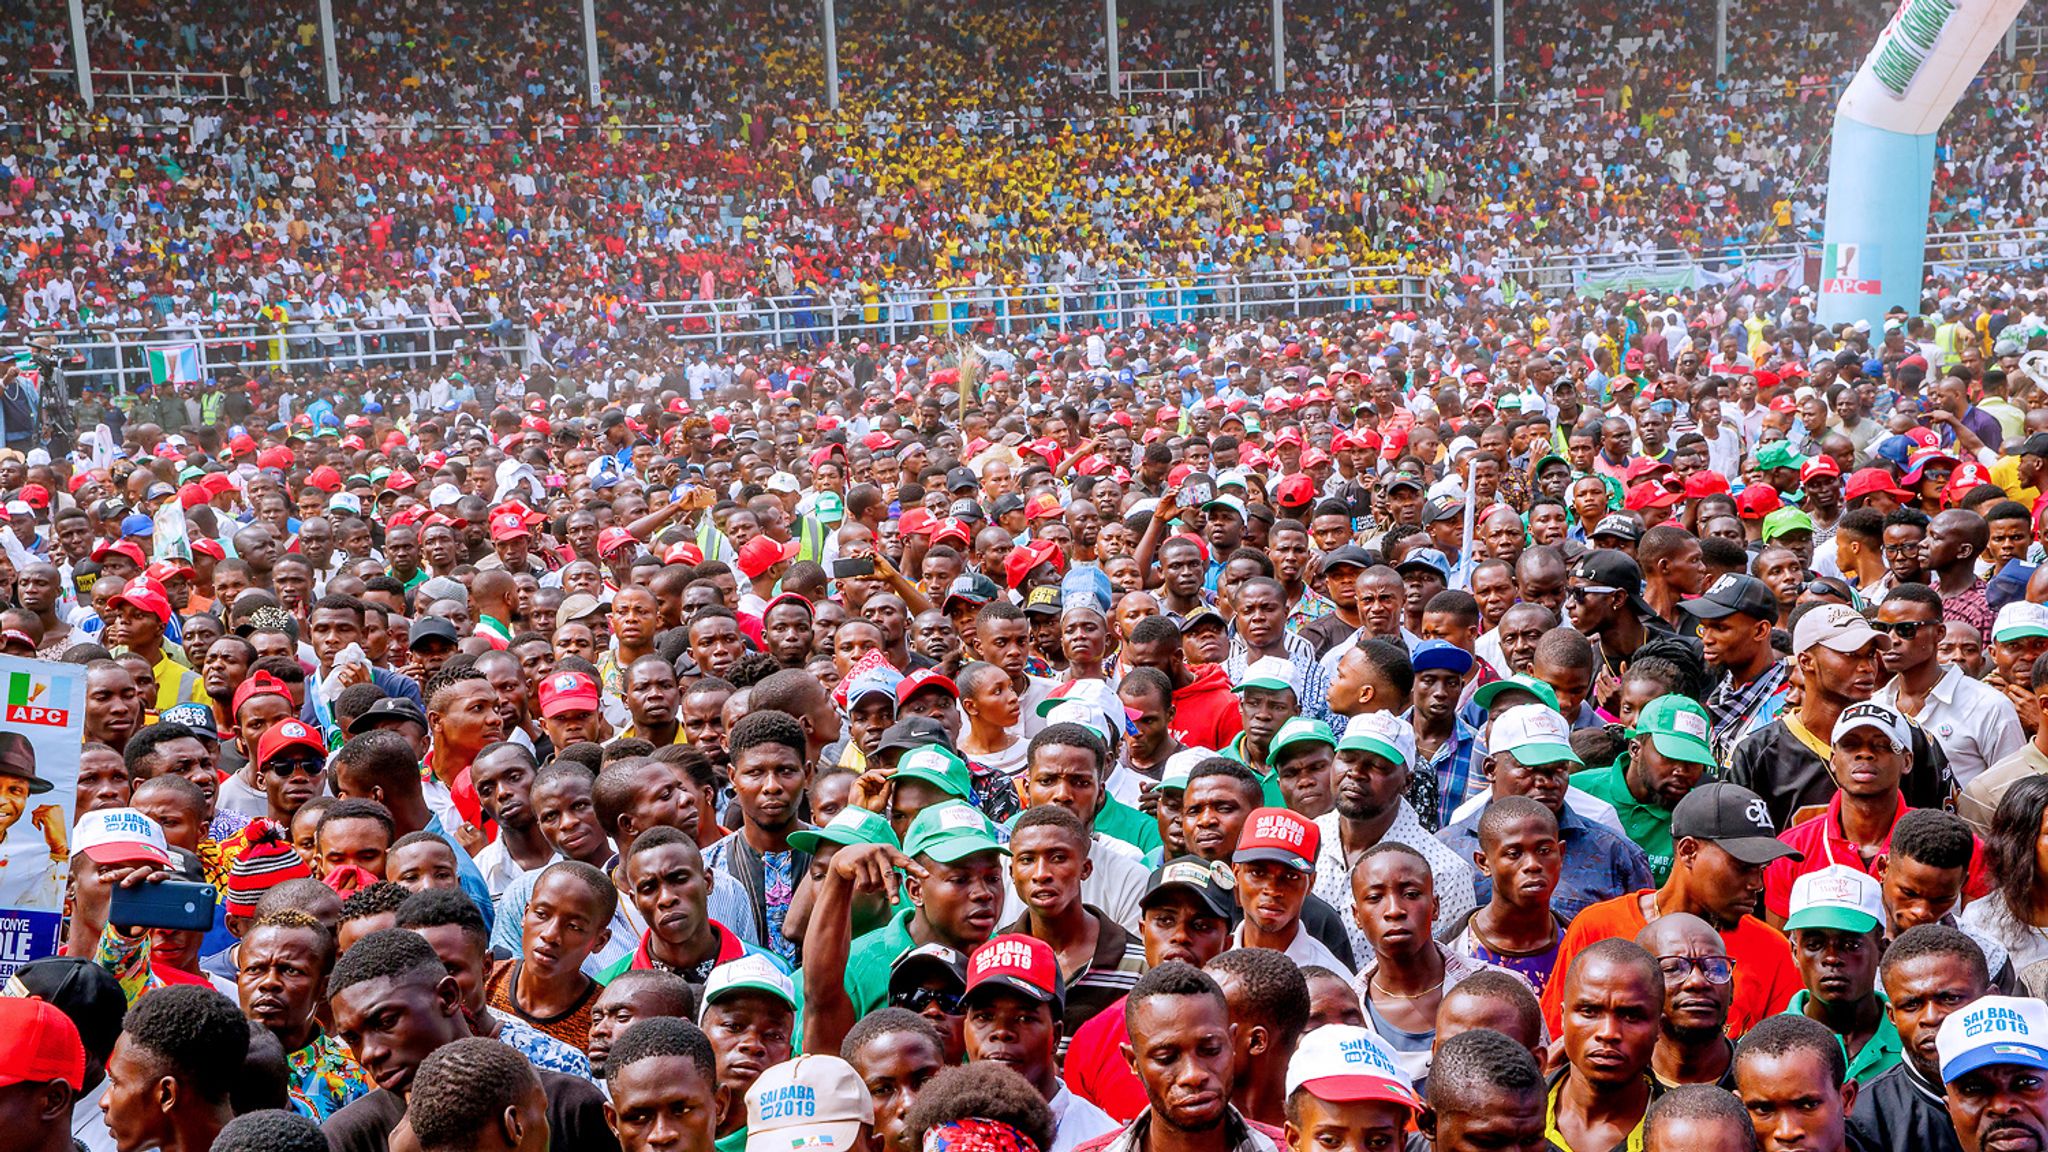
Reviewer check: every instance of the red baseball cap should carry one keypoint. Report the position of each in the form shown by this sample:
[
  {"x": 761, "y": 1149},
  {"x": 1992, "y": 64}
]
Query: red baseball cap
[
  {"x": 567, "y": 692},
  {"x": 258, "y": 684},
  {"x": 1818, "y": 466},
  {"x": 122, "y": 547},
  {"x": 241, "y": 445},
  {"x": 163, "y": 570},
  {"x": 145, "y": 594},
  {"x": 1967, "y": 475},
  {"x": 1017, "y": 963},
  {"x": 764, "y": 552},
  {"x": 1295, "y": 491},
  {"x": 614, "y": 538},
  {"x": 951, "y": 528},
  {"x": 1705, "y": 484},
  {"x": 325, "y": 479},
  {"x": 1279, "y": 835},
  {"x": 1022, "y": 560},
  {"x": 1756, "y": 502},
  {"x": 509, "y": 526},
  {"x": 289, "y": 733},
  {"x": 1650, "y": 494},
  {"x": 922, "y": 679},
  {"x": 36, "y": 495},
  {"x": 916, "y": 522},
  {"x": 205, "y": 547},
  {"x": 39, "y": 1044},
  {"x": 1044, "y": 506},
  {"x": 1870, "y": 482}
]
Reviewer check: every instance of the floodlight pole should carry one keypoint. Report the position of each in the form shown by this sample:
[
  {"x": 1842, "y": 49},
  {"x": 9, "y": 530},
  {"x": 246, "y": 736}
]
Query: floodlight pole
[
  {"x": 81, "y": 55},
  {"x": 1109, "y": 38},
  {"x": 831, "y": 22},
  {"x": 1279, "y": 47},
  {"x": 594, "y": 72}
]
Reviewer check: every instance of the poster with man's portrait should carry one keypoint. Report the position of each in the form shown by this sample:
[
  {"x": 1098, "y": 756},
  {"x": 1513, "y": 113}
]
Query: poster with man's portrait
[{"x": 42, "y": 724}]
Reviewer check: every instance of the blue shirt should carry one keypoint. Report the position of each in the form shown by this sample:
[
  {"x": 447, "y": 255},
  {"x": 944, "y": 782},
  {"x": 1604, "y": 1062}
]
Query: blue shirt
[
  {"x": 1453, "y": 766},
  {"x": 1598, "y": 865},
  {"x": 466, "y": 873}
]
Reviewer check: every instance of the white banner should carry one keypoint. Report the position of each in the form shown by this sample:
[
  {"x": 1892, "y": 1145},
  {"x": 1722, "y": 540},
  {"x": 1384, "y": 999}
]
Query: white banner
[{"x": 1923, "y": 62}]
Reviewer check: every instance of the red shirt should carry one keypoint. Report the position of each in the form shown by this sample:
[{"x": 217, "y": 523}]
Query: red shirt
[
  {"x": 1764, "y": 976},
  {"x": 1096, "y": 1069},
  {"x": 1821, "y": 842}
]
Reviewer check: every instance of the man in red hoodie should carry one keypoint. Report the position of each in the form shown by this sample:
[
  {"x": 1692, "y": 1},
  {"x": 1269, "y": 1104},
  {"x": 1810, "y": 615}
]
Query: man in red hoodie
[{"x": 1205, "y": 713}]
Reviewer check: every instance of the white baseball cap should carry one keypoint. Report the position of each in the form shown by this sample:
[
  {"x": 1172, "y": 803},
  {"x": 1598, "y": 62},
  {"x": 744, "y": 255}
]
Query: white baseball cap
[
  {"x": 1883, "y": 717},
  {"x": 1994, "y": 1030},
  {"x": 1380, "y": 732},
  {"x": 1533, "y": 734},
  {"x": 1835, "y": 626},
  {"x": 2019, "y": 620},
  {"x": 1343, "y": 1063},
  {"x": 1181, "y": 765},
  {"x": 1836, "y": 896},
  {"x": 752, "y": 972},
  {"x": 1271, "y": 673},
  {"x": 809, "y": 1104},
  {"x": 121, "y": 836}
]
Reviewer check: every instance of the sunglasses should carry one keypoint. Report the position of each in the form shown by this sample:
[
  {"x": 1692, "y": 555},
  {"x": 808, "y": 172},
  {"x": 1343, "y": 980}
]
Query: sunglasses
[
  {"x": 1821, "y": 588},
  {"x": 918, "y": 999},
  {"x": 1904, "y": 630}
]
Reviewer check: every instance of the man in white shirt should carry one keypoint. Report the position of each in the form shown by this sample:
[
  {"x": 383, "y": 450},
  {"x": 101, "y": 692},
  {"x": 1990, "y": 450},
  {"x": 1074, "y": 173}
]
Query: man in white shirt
[
  {"x": 1975, "y": 725},
  {"x": 1275, "y": 863}
]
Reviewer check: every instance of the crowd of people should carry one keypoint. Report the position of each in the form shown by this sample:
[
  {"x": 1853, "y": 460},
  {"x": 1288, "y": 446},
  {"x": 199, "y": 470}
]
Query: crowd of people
[
  {"x": 1608, "y": 724},
  {"x": 465, "y": 182}
]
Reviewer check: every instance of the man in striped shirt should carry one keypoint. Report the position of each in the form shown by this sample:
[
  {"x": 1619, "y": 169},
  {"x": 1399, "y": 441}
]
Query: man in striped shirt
[{"x": 1099, "y": 959}]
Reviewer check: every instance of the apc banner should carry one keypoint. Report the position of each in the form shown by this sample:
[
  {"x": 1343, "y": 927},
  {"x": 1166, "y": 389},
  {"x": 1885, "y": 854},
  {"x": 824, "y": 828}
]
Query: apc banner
[
  {"x": 42, "y": 724},
  {"x": 1881, "y": 157}
]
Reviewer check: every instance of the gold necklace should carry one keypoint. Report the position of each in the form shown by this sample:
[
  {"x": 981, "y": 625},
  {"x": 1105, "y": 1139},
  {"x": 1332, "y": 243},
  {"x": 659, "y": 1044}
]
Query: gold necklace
[{"x": 1373, "y": 983}]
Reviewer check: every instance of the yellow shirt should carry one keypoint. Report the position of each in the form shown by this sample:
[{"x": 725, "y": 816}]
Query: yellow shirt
[{"x": 2006, "y": 474}]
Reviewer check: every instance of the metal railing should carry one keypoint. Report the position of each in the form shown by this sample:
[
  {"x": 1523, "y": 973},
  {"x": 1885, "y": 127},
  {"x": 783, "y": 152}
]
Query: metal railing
[
  {"x": 1146, "y": 81},
  {"x": 112, "y": 84},
  {"x": 117, "y": 359},
  {"x": 899, "y": 315}
]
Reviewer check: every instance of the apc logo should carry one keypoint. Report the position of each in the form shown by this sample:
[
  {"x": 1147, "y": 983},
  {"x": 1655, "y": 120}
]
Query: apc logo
[{"x": 29, "y": 701}]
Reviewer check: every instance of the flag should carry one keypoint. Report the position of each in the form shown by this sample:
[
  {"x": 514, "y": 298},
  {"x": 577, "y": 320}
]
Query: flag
[{"x": 174, "y": 364}]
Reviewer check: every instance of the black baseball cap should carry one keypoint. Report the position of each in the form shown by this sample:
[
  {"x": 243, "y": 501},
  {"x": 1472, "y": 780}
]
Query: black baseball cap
[
  {"x": 1401, "y": 480},
  {"x": 2035, "y": 445},
  {"x": 1733, "y": 818},
  {"x": 968, "y": 510},
  {"x": 387, "y": 710},
  {"x": 913, "y": 732},
  {"x": 913, "y": 966},
  {"x": 1610, "y": 568},
  {"x": 83, "y": 991},
  {"x": 962, "y": 479},
  {"x": 1437, "y": 511},
  {"x": 1619, "y": 526},
  {"x": 1007, "y": 503},
  {"x": 1342, "y": 556},
  {"x": 1211, "y": 883},
  {"x": 1733, "y": 593},
  {"x": 430, "y": 628}
]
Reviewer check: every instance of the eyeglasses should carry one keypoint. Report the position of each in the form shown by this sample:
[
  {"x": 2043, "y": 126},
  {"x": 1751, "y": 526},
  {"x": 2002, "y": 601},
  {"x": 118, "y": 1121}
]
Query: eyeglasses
[
  {"x": 1904, "y": 629},
  {"x": 919, "y": 999},
  {"x": 1717, "y": 969},
  {"x": 1912, "y": 549}
]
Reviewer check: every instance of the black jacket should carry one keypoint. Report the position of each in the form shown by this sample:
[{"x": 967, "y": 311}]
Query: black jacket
[{"x": 1898, "y": 1113}]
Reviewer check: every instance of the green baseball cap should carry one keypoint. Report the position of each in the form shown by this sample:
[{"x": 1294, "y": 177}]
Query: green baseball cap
[
  {"x": 1783, "y": 520},
  {"x": 829, "y": 509},
  {"x": 1300, "y": 730},
  {"x": 1678, "y": 727},
  {"x": 937, "y": 767},
  {"x": 853, "y": 825},
  {"x": 951, "y": 832},
  {"x": 1778, "y": 454},
  {"x": 1519, "y": 682}
]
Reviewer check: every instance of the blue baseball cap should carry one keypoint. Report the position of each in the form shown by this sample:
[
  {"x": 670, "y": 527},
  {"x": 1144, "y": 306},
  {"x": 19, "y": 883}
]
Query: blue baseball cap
[{"x": 1433, "y": 655}]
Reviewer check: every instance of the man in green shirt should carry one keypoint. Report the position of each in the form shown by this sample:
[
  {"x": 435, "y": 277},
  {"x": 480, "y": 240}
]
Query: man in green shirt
[
  {"x": 958, "y": 901},
  {"x": 1837, "y": 931},
  {"x": 1667, "y": 755},
  {"x": 749, "y": 1015},
  {"x": 1267, "y": 698}
]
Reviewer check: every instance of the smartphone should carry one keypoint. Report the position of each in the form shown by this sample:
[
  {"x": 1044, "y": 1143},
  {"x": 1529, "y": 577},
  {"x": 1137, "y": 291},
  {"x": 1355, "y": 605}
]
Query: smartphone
[
  {"x": 1194, "y": 495},
  {"x": 847, "y": 566},
  {"x": 177, "y": 904}
]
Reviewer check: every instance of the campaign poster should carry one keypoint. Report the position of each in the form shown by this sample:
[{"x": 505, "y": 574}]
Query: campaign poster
[{"x": 42, "y": 724}]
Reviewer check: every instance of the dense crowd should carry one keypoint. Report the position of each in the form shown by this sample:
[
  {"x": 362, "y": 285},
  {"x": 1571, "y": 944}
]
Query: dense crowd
[
  {"x": 465, "y": 185},
  {"x": 1609, "y": 723}
]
